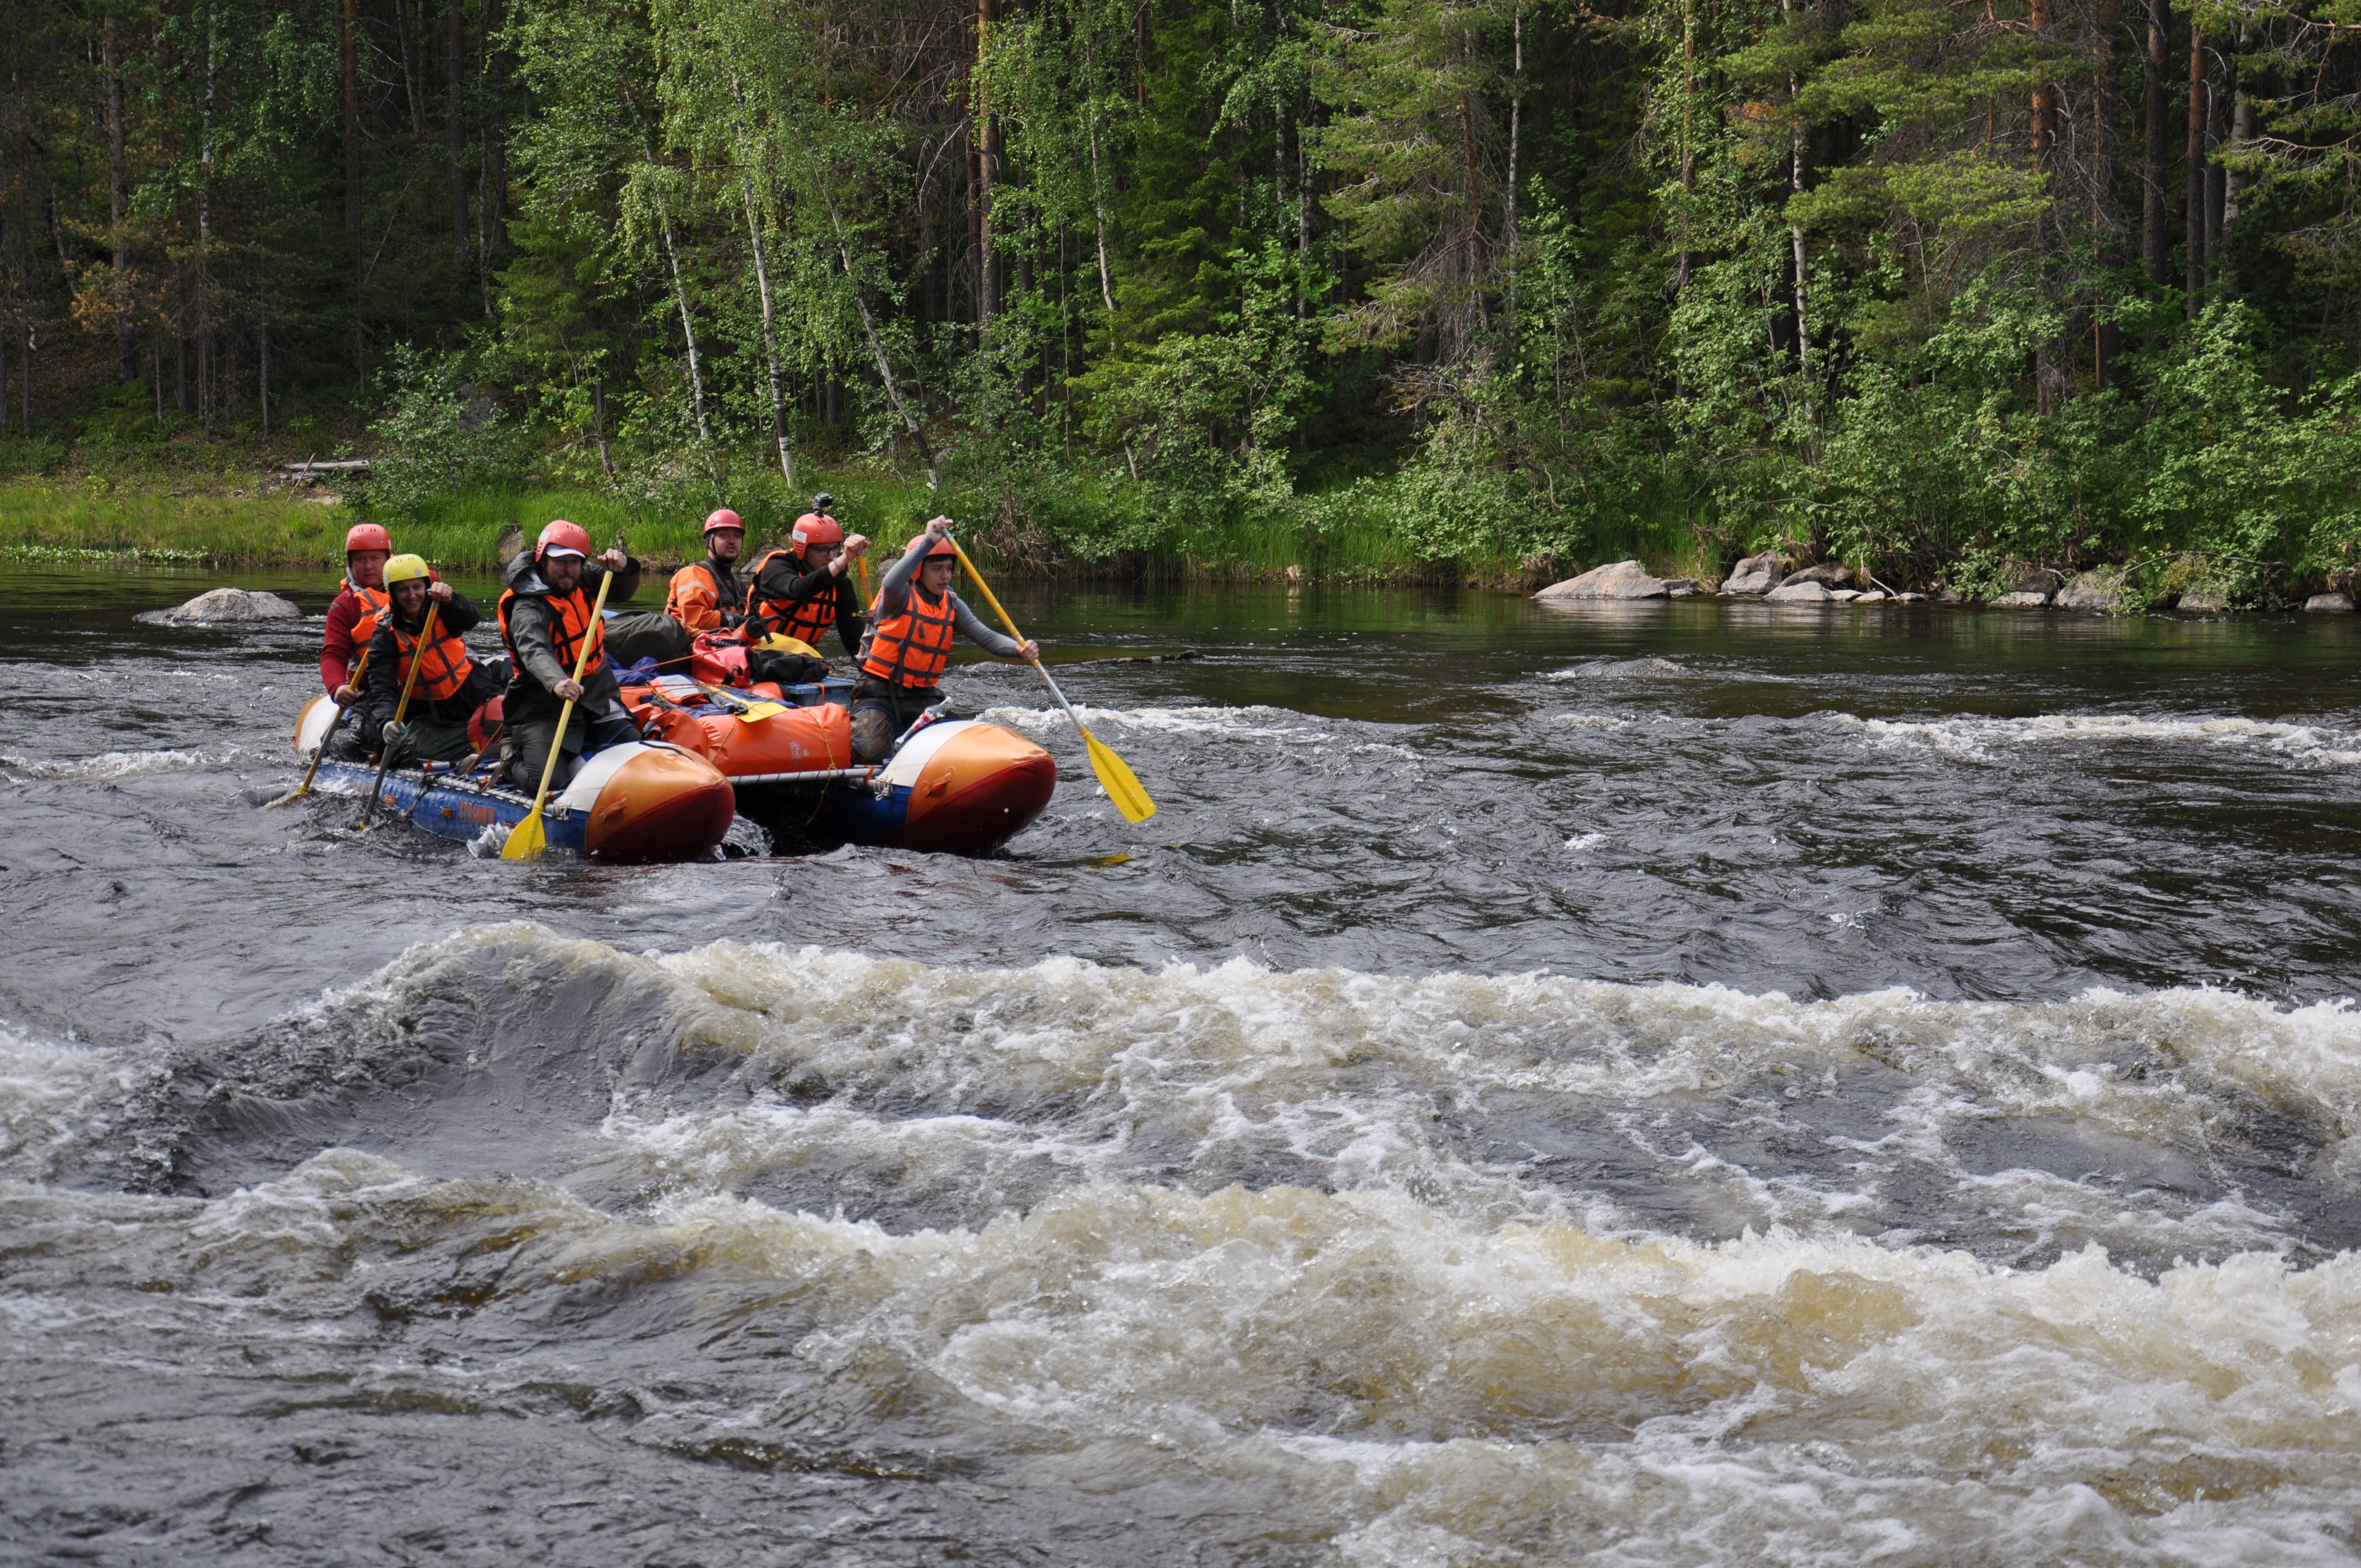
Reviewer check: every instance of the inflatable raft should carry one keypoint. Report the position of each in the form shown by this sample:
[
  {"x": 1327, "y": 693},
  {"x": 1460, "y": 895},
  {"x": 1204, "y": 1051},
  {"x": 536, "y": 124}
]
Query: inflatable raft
[
  {"x": 637, "y": 802},
  {"x": 957, "y": 785}
]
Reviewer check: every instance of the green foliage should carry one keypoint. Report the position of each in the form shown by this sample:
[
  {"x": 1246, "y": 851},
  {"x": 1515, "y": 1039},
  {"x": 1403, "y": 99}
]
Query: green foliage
[
  {"x": 1451, "y": 285},
  {"x": 441, "y": 434}
]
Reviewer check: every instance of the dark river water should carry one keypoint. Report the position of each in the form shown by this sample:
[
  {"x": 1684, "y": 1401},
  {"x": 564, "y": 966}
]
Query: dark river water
[{"x": 1678, "y": 1084}]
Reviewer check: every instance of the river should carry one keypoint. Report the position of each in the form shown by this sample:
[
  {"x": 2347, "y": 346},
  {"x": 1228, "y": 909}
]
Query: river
[{"x": 1678, "y": 1084}]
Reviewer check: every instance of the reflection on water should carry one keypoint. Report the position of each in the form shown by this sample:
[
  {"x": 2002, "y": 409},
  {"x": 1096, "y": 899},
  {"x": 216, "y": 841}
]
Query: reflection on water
[{"x": 1688, "y": 1083}]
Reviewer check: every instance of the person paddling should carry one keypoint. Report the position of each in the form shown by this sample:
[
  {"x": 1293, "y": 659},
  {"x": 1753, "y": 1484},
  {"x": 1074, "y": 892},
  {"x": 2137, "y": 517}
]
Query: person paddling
[
  {"x": 545, "y": 616},
  {"x": 450, "y": 685},
  {"x": 803, "y": 590},
  {"x": 353, "y": 614},
  {"x": 902, "y": 661},
  {"x": 706, "y": 595}
]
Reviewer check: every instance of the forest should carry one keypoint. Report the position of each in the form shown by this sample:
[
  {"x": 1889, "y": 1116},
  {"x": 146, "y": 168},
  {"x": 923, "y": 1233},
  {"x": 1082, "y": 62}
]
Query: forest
[{"x": 1941, "y": 289}]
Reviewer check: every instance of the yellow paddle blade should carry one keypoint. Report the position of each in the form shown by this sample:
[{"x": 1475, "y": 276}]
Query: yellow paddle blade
[
  {"x": 527, "y": 841},
  {"x": 755, "y": 712},
  {"x": 1120, "y": 782}
]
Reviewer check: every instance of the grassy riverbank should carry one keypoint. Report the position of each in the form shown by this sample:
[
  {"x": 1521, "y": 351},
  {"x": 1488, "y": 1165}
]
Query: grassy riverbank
[{"x": 253, "y": 516}]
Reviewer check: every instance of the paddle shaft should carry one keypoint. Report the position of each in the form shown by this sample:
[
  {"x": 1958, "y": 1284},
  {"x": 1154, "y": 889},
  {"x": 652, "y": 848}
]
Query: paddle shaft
[
  {"x": 993, "y": 600},
  {"x": 1115, "y": 774},
  {"x": 402, "y": 709},
  {"x": 360, "y": 671},
  {"x": 565, "y": 714}
]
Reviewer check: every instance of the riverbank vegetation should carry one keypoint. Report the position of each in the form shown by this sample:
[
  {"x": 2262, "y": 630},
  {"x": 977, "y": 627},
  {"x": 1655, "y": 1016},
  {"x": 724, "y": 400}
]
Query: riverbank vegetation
[{"x": 1364, "y": 288}]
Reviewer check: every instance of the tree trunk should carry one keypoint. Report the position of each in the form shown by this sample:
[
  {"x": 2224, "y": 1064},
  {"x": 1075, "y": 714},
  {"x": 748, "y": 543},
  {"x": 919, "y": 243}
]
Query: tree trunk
[
  {"x": 1795, "y": 231},
  {"x": 2044, "y": 115},
  {"x": 1516, "y": 125},
  {"x": 454, "y": 127},
  {"x": 117, "y": 198},
  {"x": 2241, "y": 131},
  {"x": 1098, "y": 211},
  {"x": 2217, "y": 181},
  {"x": 687, "y": 325},
  {"x": 414, "y": 91},
  {"x": 987, "y": 141},
  {"x": 877, "y": 350},
  {"x": 2106, "y": 93},
  {"x": 205, "y": 223},
  {"x": 352, "y": 127},
  {"x": 769, "y": 335},
  {"x": 2193, "y": 195},
  {"x": 2156, "y": 242},
  {"x": 1688, "y": 150}
]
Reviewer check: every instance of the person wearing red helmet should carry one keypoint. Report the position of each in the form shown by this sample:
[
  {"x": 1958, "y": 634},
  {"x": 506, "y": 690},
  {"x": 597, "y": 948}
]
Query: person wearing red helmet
[
  {"x": 802, "y": 590},
  {"x": 902, "y": 659},
  {"x": 546, "y": 616},
  {"x": 706, "y": 595},
  {"x": 360, "y": 603}
]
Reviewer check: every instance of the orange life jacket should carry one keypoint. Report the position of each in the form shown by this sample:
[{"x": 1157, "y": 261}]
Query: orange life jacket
[
  {"x": 697, "y": 598},
  {"x": 911, "y": 649},
  {"x": 803, "y": 619},
  {"x": 379, "y": 602},
  {"x": 573, "y": 621},
  {"x": 444, "y": 670}
]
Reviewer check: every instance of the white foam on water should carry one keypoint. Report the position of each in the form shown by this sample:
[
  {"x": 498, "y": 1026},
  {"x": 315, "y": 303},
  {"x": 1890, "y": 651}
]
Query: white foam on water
[
  {"x": 2304, "y": 745},
  {"x": 1254, "y": 723},
  {"x": 119, "y": 764},
  {"x": 1419, "y": 1388},
  {"x": 57, "y": 1098},
  {"x": 1408, "y": 1350}
]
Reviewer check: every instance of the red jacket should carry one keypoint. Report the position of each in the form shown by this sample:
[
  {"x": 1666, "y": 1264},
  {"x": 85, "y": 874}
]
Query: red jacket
[{"x": 336, "y": 651}]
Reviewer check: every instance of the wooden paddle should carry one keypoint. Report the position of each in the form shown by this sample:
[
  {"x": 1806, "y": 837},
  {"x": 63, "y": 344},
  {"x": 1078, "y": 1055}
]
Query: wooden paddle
[
  {"x": 305, "y": 789},
  {"x": 528, "y": 840},
  {"x": 1115, "y": 776},
  {"x": 402, "y": 709}
]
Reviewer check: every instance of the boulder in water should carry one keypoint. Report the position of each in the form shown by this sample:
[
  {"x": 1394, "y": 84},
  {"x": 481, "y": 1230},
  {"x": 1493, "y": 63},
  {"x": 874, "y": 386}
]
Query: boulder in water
[
  {"x": 1618, "y": 580},
  {"x": 1650, "y": 669},
  {"x": 2024, "y": 599},
  {"x": 229, "y": 605},
  {"x": 1756, "y": 575},
  {"x": 1874, "y": 595},
  {"x": 1680, "y": 587},
  {"x": 2329, "y": 604},
  {"x": 1806, "y": 592}
]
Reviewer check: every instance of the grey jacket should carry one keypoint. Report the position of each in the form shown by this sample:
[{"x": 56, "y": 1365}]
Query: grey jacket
[{"x": 533, "y": 652}]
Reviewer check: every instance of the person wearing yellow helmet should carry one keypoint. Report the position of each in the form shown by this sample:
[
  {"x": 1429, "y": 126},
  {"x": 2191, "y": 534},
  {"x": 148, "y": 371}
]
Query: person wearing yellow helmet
[{"x": 451, "y": 686}]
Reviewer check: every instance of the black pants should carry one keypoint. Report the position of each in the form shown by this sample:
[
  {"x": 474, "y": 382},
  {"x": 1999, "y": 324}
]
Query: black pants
[
  {"x": 648, "y": 634},
  {"x": 882, "y": 711},
  {"x": 527, "y": 745}
]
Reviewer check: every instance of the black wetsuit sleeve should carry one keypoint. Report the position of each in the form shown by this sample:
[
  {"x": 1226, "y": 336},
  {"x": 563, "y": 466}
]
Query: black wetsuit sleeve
[
  {"x": 848, "y": 614},
  {"x": 382, "y": 687},
  {"x": 459, "y": 617},
  {"x": 627, "y": 581}
]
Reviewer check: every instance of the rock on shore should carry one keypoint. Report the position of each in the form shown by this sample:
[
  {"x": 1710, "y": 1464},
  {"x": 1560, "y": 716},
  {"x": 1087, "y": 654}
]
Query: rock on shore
[
  {"x": 2101, "y": 591},
  {"x": 226, "y": 605},
  {"x": 1755, "y": 576},
  {"x": 1618, "y": 580},
  {"x": 2329, "y": 604},
  {"x": 1806, "y": 591}
]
